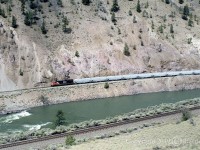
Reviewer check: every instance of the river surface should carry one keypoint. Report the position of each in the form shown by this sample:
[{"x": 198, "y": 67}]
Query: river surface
[{"x": 75, "y": 112}]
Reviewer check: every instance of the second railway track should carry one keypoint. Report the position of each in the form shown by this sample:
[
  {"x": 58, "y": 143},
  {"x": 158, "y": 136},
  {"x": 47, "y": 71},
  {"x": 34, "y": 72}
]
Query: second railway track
[{"x": 91, "y": 129}]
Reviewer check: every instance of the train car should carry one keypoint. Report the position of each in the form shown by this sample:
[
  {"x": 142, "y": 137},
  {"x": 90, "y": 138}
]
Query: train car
[{"x": 62, "y": 82}]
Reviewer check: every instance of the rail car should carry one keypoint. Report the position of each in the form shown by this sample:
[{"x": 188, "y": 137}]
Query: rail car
[{"x": 124, "y": 77}]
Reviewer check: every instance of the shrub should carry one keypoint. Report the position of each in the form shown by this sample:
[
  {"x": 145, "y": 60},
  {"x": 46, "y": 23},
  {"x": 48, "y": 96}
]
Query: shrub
[
  {"x": 14, "y": 22},
  {"x": 115, "y": 6},
  {"x": 126, "y": 50},
  {"x": 86, "y": 2},
  {"x": 21, "y": 73},
  {"x": 106, "y": 85},
  {"x": 185, "y": 115},
  {"x": 70, "y": 140},
  {"x": 77, "y": 54},
  {"x": 138, "y": 8},
  {"x": 130, "y": 13},
  {"x": 44, "y": 100}
]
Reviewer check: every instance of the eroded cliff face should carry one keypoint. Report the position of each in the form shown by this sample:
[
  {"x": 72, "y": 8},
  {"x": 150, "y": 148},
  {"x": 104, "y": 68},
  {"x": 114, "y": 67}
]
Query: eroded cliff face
[
  {"x": 21, "y": 60},
  {"x": 95, "y": 47}
]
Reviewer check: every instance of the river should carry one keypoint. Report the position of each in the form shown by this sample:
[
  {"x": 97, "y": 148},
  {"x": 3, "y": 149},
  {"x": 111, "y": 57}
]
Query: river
[{"x": 75, "y": 112}]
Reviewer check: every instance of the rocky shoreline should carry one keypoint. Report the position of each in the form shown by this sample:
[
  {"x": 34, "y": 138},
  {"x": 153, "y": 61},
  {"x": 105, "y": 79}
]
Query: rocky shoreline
[{"x": 16, "y": 101}]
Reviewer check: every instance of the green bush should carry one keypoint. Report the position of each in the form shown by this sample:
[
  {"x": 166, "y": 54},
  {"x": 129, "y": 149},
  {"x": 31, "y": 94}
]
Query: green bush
[
  {"x": 70, "y": 140},
  {"x": 106, "y": 85},
  {"x": 185, "y": 115}
]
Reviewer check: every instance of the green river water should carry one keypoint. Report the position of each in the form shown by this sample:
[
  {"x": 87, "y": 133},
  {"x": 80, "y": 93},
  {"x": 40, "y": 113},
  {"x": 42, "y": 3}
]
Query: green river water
[{"x": 75, "y": 112}]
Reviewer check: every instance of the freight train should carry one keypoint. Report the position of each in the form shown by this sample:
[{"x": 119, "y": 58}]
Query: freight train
[{"x": 124, "y": 77}]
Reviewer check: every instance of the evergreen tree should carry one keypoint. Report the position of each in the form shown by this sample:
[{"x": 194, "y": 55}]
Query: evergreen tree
[
  {"x": 190, "y": 22},
  {"x": 115, "y": 6},
  {"x": 138, "y": 7},
  {"x": 134, "y": 19},
  {"x": 130, "y": 13},
  {"x": 14, "y": 22},
  {"x": 86, "y": 2},
  {"x": 186, "y": 10},
  {"x": 152, "y": 25},
  {"x": 181, "y": 1},
  {"x": 167, "y": 1},
  {"x": 171, "y": 29},
  {"x": 3, "y": 14},
  {"x": 43, "y": 28},
  {"x": 28, "y": 18},
  {"x": 59, "y": 2},
  {"x": 60, "y": 119},
  {"x": 113, "y": 19},
  {"x": 161, "y": 29},
  {"x": 77, "y": 54},
  {"x": 147, "y": 4},
  {"x": 126, "y": 50},
  {"x": 23, "y": 6},
  {"x": 65, "y": 23}
]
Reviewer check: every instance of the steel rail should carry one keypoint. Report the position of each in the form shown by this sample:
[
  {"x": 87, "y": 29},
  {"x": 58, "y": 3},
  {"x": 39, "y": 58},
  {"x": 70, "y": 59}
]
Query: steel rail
[{"x": 94, "y": 128}]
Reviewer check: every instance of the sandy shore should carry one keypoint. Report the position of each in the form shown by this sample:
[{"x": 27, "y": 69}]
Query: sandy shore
[{"x": 19, "y": 100}]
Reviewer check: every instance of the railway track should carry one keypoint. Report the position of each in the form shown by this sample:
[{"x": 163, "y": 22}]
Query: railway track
[
  {"x": 120, "y": 78},
  {"x": 91, "y": 129}
]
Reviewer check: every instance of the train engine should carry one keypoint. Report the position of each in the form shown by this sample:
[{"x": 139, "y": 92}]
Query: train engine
[{"x": 62, "y": 82}]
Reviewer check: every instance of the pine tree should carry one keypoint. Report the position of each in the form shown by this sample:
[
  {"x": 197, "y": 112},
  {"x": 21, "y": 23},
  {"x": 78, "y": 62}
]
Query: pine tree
[
  {"x": 43, "y": 28},
  {"x": 134, "y": 19},
  {"x": 86, "y": 2},
  {"x": 167, "y": 1},
  {"x": 171, "y": 29},
  {"x": 147, "y": 4},
  {"x": 3, "y": 14},
  {"x": 152, "y": 25},
  {"x": 130, "y": 13},
  {"x": 126, "y": 50},
  {"x": 14, "y": 22},
  {"x": 113, "y": 19},
  {"x": 115, "y": 6},
  {"x": 23, "y": 6},
  {"x": 186, "y": 10},
  {"x": 77, "y": 54},
  {"x": 161, "y": 29},
  {"x": 65, "y": 23},
  {"x": 138, "y": 8},
  {"x": 60, "y": 119},
  {"x": 59, "y": 2},
  {"x": 181, "y": 1},
  {"x": 28, "y": 20},
  {"x": 190, "y": 22}
]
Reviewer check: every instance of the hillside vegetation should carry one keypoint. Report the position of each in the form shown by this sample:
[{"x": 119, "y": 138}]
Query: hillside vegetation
[{"x": 41, "y": 40}]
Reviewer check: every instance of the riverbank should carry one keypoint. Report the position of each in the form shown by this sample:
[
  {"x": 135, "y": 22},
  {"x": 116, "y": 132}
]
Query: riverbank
[
  {"x": 20, "y": 100},
  {"x": 100, "y": 136}
]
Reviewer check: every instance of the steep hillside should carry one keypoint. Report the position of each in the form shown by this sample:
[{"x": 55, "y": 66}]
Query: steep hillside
[{"x": 58, "y": 38}]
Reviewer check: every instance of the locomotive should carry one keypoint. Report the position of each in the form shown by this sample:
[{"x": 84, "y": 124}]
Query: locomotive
[{"x": 62, "y": 82}]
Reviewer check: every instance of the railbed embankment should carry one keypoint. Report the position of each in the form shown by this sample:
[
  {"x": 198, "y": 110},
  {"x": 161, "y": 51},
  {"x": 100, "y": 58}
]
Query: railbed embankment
[{"x": 24, "y": 99}]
